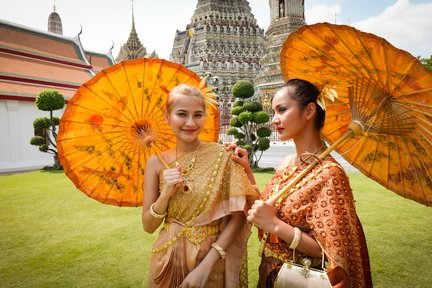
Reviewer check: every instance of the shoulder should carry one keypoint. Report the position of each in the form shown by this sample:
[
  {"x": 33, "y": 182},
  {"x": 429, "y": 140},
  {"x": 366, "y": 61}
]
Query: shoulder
[
  {"x": 152, "y": 160},
  {"x": 333, "y": 173},
  {"x": 285, "y": 161},
  {"x": 212, "y": 147},
  {"x": 333, "y": 168},
  {"x": 153, "y": 165}
]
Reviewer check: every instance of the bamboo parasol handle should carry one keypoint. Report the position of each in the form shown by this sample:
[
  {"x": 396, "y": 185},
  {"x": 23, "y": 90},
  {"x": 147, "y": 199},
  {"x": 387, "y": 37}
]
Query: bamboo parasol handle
[
  {"x": 161, "y": 159},
  {"x": 148, "y": 141},
  {"x": 354, "y": 128}
]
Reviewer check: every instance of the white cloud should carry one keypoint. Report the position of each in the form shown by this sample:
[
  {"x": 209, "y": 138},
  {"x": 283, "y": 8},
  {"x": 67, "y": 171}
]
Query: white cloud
[
  {"x": 322, "y": 13},
  {"x": 407, "y": 26}
]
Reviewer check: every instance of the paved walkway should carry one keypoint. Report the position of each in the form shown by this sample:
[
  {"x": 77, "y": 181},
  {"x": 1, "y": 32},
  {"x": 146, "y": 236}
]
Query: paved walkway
[{"x": 278, "y": 151}]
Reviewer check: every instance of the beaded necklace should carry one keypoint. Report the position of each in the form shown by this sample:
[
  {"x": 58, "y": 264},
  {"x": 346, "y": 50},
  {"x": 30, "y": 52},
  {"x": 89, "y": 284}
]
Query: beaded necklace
[{"x": 187, "y": 187}]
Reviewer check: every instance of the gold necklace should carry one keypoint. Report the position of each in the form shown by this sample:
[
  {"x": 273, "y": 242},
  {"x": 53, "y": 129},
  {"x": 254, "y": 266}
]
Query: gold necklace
[
  {"x": 187, "y": 187},
  {"x": 306, "y": 156}
]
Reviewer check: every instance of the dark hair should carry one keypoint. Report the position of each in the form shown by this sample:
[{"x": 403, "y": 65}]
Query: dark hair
[{"x": 304, "y": 92}]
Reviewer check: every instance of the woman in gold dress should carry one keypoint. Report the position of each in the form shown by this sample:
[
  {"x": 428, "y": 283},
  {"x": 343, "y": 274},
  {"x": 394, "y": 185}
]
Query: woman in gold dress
[
  {"x": 201, "y": 200},
  {"x": 316, "y": 216}
]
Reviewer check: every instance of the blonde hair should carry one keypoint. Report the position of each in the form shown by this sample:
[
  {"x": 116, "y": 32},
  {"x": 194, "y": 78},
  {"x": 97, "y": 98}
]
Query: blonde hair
[{"x": 184, "y": 90}]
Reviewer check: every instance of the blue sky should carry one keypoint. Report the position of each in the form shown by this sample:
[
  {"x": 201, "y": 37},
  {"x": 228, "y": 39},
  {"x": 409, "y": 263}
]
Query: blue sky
[{"x": 404, "y": 23}]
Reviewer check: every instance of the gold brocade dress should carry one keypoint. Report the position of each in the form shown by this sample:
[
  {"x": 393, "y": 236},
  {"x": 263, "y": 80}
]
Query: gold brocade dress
[
  {"x": 219, "y": 187},
  {"x": 322, "y": 205}
]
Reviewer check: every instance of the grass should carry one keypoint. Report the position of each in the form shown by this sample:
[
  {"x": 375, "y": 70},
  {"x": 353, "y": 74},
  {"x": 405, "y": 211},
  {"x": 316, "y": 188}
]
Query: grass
[{"x": 54, "y": 236}]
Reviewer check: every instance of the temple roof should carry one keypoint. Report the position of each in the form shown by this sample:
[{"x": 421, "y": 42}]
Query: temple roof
[
  {"x": 99, "y": 61},
  {"x": 133, "y": 48},
  {"x": 34, "y": 60}
]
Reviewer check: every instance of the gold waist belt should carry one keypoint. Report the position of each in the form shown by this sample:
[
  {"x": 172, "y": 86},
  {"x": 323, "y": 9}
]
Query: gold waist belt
[{"x": 197, "y": 234}]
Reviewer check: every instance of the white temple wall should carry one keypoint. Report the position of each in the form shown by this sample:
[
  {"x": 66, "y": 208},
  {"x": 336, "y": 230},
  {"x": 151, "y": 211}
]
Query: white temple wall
[{"x": 16, "y": 130}]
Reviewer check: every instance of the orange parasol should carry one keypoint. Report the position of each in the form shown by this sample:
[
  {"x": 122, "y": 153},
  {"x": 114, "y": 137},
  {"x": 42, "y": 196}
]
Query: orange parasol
[
  {"x": 115, "y": 121},
  {"x": 381, "y": 121}
]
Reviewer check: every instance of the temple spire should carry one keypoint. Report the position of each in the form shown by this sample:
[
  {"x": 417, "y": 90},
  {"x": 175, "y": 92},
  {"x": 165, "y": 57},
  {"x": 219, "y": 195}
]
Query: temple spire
[
  {"x": 133, "y": 48},
  {"x": 286, "y": 16},
  {"x": 133, "y": 17},
  {"x": 54, "y": 22}
]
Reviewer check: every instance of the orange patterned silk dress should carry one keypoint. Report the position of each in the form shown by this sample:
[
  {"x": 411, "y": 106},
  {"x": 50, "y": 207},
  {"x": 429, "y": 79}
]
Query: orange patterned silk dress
[{"x": 322, "y": 205}]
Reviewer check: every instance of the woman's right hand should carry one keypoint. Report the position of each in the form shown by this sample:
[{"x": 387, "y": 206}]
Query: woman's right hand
[
  {"x": 240, "y": 155},
  {"x": 263, "y": 215},
  {"x": 172, "y": 179}
]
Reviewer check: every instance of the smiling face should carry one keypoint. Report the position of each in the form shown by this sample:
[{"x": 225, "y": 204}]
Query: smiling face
[
  {"x": 186, "y": 116},
  {"x": 289, "y": 119}
]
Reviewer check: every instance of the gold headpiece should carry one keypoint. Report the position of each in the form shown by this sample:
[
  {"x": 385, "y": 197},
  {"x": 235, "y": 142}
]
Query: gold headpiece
[
  {"x": 327, "y": 92},
  {"x": 209, "y": 95}
]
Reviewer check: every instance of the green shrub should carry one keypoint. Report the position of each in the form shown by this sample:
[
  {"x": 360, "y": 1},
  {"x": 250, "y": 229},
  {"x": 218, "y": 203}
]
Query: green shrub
[
  {"x": 240, "y": 135},
  {"x": 42, "y": 123},
  {"x": 243, "y": 89},
  {"x": 49, "y": 100},
  {"x": 237, "y": 110},
  {"x": 43, "y": 148},
  {"x": 37, "y": 141},
  {"x": 245, "y": 117},
  {"x": 235, "y": 122},
  {"x": 260, "y": 117},
  {"x": 55, "y": 121},
  {"x": 232, "y": 131},
  {"x": 253, "y": 106},
  {"x": 238, "y": 103},
  {"x": 263, "y": 144},
  {"x": 263, "y": 132}
]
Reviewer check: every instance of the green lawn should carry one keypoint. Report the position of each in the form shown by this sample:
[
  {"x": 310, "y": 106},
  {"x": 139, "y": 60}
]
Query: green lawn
[{"x": 52, "y": 235}]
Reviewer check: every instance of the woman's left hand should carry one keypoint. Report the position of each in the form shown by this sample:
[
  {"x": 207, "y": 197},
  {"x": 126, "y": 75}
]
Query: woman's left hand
[
  {"x": 263, "y": 216},
  {"x": 240, "y": 155},
  {"x": 198, "y": 277}
]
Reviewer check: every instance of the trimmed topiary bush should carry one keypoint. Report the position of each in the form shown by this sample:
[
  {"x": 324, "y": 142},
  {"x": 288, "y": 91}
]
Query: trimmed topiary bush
[
  {"x": 243, "y": 89},
  {"x": 48, "y": 100},
  {"x": 249, "y": 120}
]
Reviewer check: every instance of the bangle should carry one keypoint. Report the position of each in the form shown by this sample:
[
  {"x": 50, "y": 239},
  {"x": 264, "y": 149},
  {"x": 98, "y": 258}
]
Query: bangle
[
  {"x": 296, "y": 239},
  {"x": 219, "y": 249},
  {"x": 155, "y": 214}
]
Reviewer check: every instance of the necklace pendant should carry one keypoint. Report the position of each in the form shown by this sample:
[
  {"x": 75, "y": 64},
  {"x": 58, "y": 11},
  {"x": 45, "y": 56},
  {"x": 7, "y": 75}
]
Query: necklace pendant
[{"x": 187, "y": 187}]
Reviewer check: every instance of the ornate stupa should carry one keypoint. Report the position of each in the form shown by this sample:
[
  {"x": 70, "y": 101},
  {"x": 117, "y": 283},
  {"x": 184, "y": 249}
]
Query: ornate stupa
[
  {"x": 286, "y": 16},
  {"x": 54, "y": 22},
  {"x": 133, "y": 48},
  {"x": 223, "y": 39}
]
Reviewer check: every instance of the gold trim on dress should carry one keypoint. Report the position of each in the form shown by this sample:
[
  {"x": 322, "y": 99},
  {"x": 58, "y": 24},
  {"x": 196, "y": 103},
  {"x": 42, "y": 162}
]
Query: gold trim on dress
[{"x": 197, "y": 211}]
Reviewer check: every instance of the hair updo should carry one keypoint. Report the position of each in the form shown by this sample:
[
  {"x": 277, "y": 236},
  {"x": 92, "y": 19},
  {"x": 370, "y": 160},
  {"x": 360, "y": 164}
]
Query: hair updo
[
  {"x": 304, "y": 92},
  {"x": 184, "y": 90}
]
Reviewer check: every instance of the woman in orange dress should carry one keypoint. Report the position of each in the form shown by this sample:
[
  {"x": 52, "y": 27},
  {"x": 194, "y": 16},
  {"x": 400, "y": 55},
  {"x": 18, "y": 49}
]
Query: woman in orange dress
[
  {"x": 316, "y": 216},
  {"x": 201, "y": 200}
]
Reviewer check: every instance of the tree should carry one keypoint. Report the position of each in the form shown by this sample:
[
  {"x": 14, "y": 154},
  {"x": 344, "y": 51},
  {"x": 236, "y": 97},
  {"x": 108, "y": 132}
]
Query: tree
[
  {"x": 248, "y": 123},
  {"x": 427, "y": 62},
  {"x": 46, "y": 128}
]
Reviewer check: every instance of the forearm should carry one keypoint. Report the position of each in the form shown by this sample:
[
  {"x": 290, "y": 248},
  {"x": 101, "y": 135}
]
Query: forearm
[
  {"x": 227, "y": 236},
  {"x": 152, "y": 219},
  {"x": 307, "y": 245},
  {"x": 250, "y": 175}
]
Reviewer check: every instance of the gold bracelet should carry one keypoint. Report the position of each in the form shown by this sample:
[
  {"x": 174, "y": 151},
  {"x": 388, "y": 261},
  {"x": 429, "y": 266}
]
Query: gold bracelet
[
  {"x": 155, "y": 214},
  {"x": 219, "y": 249}
]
